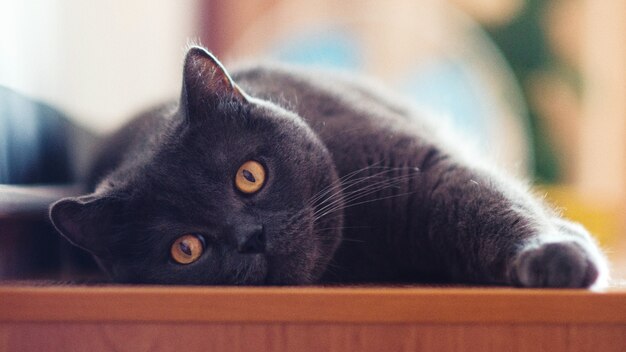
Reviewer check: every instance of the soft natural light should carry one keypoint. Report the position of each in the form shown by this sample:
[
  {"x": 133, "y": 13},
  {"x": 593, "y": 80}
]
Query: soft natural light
[{"x": 99, "y": 61}]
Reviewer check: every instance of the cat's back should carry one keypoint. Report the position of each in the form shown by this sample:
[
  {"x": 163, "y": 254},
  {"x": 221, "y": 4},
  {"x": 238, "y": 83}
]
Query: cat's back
[{"x": 317, "y": 94}]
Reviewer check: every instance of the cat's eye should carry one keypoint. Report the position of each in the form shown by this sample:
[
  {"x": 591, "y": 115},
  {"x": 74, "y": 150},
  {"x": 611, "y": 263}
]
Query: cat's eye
[
  {"x": 250, "y": 177},
  {"x": 187, "y": 249}
]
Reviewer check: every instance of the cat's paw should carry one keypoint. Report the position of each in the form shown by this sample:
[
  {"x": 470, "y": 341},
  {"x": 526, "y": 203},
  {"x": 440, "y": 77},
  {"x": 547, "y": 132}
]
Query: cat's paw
[{"x": 557, "y": 264}]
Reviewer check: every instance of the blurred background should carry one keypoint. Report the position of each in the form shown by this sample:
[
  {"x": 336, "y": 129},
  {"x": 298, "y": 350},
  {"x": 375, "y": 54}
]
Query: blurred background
[{"x": 539, "y": 84}]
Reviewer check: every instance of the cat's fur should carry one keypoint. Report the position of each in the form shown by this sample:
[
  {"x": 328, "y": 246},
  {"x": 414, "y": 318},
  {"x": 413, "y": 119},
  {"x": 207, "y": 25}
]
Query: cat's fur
[{"x": 360, "y": 188}]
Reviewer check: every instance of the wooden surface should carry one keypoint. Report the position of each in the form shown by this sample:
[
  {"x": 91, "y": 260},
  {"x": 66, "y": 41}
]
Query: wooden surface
[
  {"x": 309, "y": 305},
  {"x": 139, "y": 318},
  {"x": 309, "y": 337}
]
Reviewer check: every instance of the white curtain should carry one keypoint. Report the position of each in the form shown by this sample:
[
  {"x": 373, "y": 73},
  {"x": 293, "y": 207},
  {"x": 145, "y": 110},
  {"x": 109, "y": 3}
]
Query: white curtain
[{"x": 98, "y": 61}]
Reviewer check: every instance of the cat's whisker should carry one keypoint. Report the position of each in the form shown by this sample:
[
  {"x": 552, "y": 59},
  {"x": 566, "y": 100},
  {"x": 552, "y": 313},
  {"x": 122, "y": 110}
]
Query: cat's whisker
[
  {"x": 376, "y": 175},
  {"x": 364, "y": 202},
  {"x": 330, "y": 187},
  {"x": 338, "y": 198},
  {"x": 365, "y": 191},
  {"x": 350, "y": 201},
  {"x": 386, "y": 183},
  {"x": 324, "y": 235},
  {"x": 349, "y": 180},
  {"x": 333, "y": 268},
  {"x": 357, "y": 195},
  {"x": 346, "y": 195},
  {"x": 343, "y": 181}
]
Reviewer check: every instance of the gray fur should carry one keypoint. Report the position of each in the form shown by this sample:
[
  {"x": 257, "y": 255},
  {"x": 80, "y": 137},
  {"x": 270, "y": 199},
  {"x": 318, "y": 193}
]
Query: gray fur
[{"x": 361, "y": 188}]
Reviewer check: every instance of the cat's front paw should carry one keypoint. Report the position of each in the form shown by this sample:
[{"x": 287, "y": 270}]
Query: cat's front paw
[{"x": 557, "y": 264}]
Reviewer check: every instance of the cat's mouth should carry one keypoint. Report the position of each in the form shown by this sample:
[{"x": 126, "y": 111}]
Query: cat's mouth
[{"x": 289, "y": 257}]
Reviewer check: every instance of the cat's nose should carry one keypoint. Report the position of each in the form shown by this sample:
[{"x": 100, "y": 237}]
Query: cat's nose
[{"x": 251, "y": 240}]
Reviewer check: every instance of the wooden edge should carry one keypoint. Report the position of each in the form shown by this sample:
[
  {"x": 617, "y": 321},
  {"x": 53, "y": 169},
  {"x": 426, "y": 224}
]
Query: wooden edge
[{"x": 308, "y": 305}]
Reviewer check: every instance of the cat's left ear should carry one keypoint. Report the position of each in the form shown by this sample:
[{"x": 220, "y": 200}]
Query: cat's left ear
[
  {"x": 84, "y": 221},
  {"x": 205, "y": 81}
]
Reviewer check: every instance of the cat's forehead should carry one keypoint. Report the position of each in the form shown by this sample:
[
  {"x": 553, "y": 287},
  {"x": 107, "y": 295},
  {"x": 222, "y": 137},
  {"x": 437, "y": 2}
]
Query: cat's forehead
[
  {"x": 203, "y": 158},
  {"x": 234, "y": 129}
]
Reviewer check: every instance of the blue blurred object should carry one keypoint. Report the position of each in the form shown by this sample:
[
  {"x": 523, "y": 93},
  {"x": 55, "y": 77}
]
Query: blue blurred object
[
  {"x": 34, "y": 142},
  {"x": 451, "y": 88},
  {"x": 329, "y": 47},
  {"x": 447, "y": 86}
]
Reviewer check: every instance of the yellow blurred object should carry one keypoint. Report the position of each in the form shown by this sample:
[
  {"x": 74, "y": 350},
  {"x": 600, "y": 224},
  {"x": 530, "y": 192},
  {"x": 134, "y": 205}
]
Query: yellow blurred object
[{"x": 602, "y": 220}]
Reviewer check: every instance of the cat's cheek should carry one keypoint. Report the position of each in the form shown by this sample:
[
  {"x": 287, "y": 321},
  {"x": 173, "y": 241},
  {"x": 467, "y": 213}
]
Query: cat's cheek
[
  {"x": 297, "y": 268},
  {"x": 233, "y": 268}
]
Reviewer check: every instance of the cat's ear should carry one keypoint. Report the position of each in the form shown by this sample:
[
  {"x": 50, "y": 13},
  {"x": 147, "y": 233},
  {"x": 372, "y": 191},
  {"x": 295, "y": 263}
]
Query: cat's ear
[
  {"x": 83, "y": 221},
  {"x": 205, "y": 81}
]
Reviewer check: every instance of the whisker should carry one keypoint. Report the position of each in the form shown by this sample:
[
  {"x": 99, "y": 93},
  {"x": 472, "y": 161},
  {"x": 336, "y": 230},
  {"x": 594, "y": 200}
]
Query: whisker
[
  {"x": 385, "y": 183},
  {"x": 342, "y": 181},
  {"x": 363, "y": 202},
  {"x": 358, "y": 181},
  {"x": 362, "y": 194},
  {"x": 365, "y": 191},
  {"x": 347, "y": 181}
]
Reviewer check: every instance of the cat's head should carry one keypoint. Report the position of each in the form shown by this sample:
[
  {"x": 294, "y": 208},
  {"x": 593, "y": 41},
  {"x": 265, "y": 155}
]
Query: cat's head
[{"x": 227, "y": 193}]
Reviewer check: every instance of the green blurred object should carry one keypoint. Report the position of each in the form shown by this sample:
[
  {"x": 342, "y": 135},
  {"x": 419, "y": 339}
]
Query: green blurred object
[{"x": 524, "y": 43}]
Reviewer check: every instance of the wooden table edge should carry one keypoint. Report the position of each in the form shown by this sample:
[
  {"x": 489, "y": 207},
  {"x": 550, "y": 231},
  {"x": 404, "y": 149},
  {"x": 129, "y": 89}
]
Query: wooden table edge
[{"x": 388, "y": 305}]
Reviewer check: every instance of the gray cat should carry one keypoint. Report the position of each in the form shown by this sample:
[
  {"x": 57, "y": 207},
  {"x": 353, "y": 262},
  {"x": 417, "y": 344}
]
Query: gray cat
[{"x": 297, "y": 177}]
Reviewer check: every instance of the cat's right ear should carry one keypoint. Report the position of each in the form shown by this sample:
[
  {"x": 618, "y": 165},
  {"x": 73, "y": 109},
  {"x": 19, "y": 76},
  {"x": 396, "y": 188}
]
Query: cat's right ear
[
  {"x": 82, "y": 220},
  {"x": 206, "y": 82}
]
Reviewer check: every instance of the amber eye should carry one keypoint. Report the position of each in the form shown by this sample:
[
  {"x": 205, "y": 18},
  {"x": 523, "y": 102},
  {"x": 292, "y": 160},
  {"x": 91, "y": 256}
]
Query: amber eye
[
  {"x": 187, "y": 249},
  {"x": 250, "y": 177}
]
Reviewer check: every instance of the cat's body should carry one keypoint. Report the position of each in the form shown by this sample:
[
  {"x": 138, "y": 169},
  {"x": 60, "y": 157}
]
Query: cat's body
[
  {"x": 389, "y": 235},
  {"x": 360, "y": 188}
]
